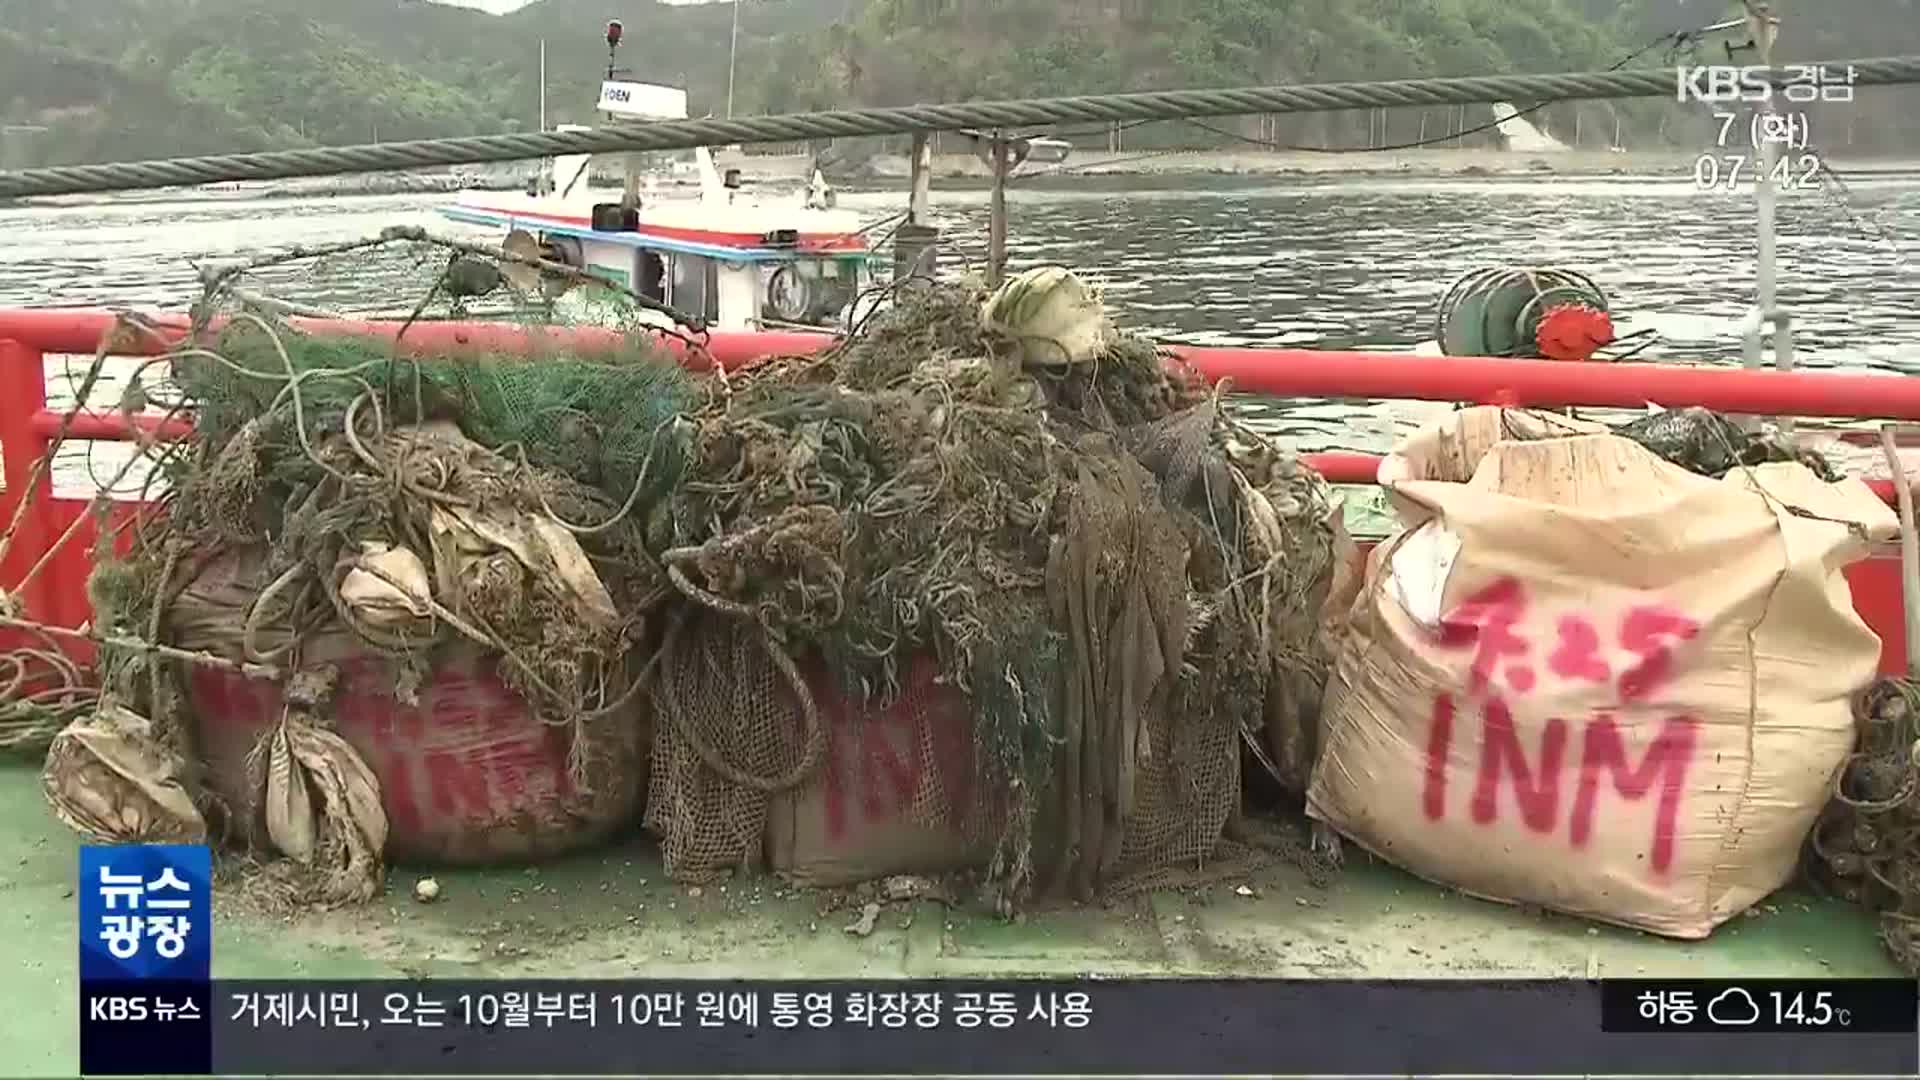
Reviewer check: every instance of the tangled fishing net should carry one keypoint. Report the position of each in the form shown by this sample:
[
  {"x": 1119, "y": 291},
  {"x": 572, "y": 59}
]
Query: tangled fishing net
[
  {"x": 1121, "y": 582},
  {"x": 1117, "y": 576},
  {"x": 1711, "y": 444},
  {"x": 404, "y": 503},
  {"x": 1866, "y": 847},
  {"x": 1698, "y": 440},
  {"x": 416, "y": 504}
]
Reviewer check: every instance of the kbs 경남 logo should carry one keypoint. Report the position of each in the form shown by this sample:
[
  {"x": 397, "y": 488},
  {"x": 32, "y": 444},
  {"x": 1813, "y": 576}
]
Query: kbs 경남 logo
[
  {"x": 1723, "y": 82},
  {"x": 146, "y": 912},
  {"x": 1799, "y": 84}
]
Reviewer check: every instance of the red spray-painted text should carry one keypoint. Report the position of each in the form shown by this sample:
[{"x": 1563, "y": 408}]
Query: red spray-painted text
[
  {"x": 1489, "y": 623},
  {"x": 883, "y": 758},
  {"x": 470, "y": 753}
]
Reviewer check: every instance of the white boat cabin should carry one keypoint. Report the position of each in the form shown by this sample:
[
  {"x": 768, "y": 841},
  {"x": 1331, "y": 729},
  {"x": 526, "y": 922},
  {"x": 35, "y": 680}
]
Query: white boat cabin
[{"x": 721, "y": 256}]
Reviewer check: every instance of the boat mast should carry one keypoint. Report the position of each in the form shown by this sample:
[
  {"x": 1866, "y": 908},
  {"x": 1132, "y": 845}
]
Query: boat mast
[
  {"x": 733, "y": 50},
  {"x": 630, "y": 187},
  {"x": 543, "y": 84}
]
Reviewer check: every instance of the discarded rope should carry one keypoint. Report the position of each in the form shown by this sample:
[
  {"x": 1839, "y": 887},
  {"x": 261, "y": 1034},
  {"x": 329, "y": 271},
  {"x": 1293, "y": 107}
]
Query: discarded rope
[
  {"x": 131, "y": 644},
  {"x": 42, "y": 690},
  {"x": 1866, "y": 845},
  {"x": 814, "y": 741},
  {"x": 217, "y": 277}
]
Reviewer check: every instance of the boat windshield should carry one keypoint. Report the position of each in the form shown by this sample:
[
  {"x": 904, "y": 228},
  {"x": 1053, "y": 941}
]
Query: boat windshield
[{"x": 809, "y": 291}]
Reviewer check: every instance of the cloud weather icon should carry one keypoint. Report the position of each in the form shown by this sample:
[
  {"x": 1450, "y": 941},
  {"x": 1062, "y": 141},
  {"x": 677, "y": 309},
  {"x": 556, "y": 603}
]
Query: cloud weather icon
[{"x": 1733, "y": 1008}]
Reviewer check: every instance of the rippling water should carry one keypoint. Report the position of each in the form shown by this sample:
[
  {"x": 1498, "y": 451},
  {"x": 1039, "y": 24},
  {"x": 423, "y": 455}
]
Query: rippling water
[{"x": 1343, "y": 262}]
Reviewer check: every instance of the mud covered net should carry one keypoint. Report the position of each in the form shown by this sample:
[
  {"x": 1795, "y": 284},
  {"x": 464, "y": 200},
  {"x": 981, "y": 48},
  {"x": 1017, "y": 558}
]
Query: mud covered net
[
  {"x": 345, "y": 499},
  {"x": 1711, "y": 444},
  {"x": 995, "y": 500},
  {"x": 1866, "y": 846},
  {"x": 1120, "y": 580}
]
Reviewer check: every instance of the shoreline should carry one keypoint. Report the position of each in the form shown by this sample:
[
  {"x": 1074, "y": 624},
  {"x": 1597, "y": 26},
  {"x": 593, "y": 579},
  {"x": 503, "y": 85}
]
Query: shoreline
[
  {"x": 886, "y": 172},
  {"x": 1416, "y": 164}
]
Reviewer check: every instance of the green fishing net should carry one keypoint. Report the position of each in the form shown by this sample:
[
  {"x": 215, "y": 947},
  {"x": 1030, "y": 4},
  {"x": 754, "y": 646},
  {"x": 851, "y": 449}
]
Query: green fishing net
[{"x": 600, "y": 418}]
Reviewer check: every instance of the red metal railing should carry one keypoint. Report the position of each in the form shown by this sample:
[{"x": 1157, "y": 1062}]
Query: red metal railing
[
  {"x": 1275, "y": 372},
  {"x": 58, "y": 594}
]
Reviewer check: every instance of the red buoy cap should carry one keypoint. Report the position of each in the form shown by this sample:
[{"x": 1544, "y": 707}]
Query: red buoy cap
[
  {"x": 614, "y": 30},
  {"x": 1572, "y": 332}
]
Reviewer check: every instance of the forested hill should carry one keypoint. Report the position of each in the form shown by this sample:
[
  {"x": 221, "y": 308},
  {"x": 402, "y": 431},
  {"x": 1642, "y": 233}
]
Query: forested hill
[
  {"x": 110, "y": 79},
  {"x": 900, "y": 51},
  {"x": 88, "y": 80}
]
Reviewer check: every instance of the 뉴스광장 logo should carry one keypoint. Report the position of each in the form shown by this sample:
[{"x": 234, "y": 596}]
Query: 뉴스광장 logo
[{"x": 146, "y": 912}]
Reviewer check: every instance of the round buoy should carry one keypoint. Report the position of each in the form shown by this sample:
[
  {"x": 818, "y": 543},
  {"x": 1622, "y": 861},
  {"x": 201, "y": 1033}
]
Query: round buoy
[{"x": 1506, "y": 311}]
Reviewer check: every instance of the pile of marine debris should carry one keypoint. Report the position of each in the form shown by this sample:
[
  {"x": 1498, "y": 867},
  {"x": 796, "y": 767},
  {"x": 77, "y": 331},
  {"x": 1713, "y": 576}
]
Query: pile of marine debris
[
  {"x": 692, "y": 583},
  {"x": 1866, "y": 847}
]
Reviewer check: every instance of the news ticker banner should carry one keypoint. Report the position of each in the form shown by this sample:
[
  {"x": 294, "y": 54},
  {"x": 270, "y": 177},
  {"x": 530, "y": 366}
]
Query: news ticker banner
[
  {"x": 149, "y": 1006},
  {"x": 547, "y": 1027}
]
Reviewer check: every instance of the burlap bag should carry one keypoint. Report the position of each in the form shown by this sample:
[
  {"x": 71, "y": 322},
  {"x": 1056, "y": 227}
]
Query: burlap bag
[
  {"x": 1587, "y": 679},
  {"x": 467, "y": 773},
  {"x": 893, "y": 792}
]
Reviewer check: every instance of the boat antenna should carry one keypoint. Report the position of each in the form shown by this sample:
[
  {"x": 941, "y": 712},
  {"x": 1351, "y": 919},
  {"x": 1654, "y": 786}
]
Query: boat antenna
[{"x": 733, "y": 51}]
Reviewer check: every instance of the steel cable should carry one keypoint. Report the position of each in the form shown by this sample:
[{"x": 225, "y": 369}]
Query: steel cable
[{"x": 688, "y": 134}]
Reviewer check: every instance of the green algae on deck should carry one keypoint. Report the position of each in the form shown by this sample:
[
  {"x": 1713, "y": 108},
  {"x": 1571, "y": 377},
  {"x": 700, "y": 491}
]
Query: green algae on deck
[{"x": 611, "y": 913}]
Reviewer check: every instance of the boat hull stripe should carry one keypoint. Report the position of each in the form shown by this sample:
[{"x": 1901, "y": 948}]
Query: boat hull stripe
[{"x": 574, "y": 225}]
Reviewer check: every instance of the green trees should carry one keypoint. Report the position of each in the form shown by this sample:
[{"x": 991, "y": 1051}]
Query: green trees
[
  {"x": 918, "y": 50},
  {"x": 140, "y": 78}
]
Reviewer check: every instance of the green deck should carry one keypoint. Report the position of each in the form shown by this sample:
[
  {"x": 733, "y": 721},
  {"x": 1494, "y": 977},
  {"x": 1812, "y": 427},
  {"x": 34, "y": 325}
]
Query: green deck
[{"x": 612, "y": 913}]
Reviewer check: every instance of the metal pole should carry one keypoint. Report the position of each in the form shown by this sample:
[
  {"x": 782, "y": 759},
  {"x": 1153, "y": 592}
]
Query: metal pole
[
  {"x": 543, "y": 84},
  {"x": 915, "y": 241},
  {"x": 733, "y": 48},
  {"x": 1766, "y": 316},
  {"x": 997, "y": 224},
  {"x": 1764, "y": 196},
  {"x": 920, "y": 200}
]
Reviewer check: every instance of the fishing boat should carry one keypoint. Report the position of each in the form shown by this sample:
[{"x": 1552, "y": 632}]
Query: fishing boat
[{"x": 722, "y": 256}]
